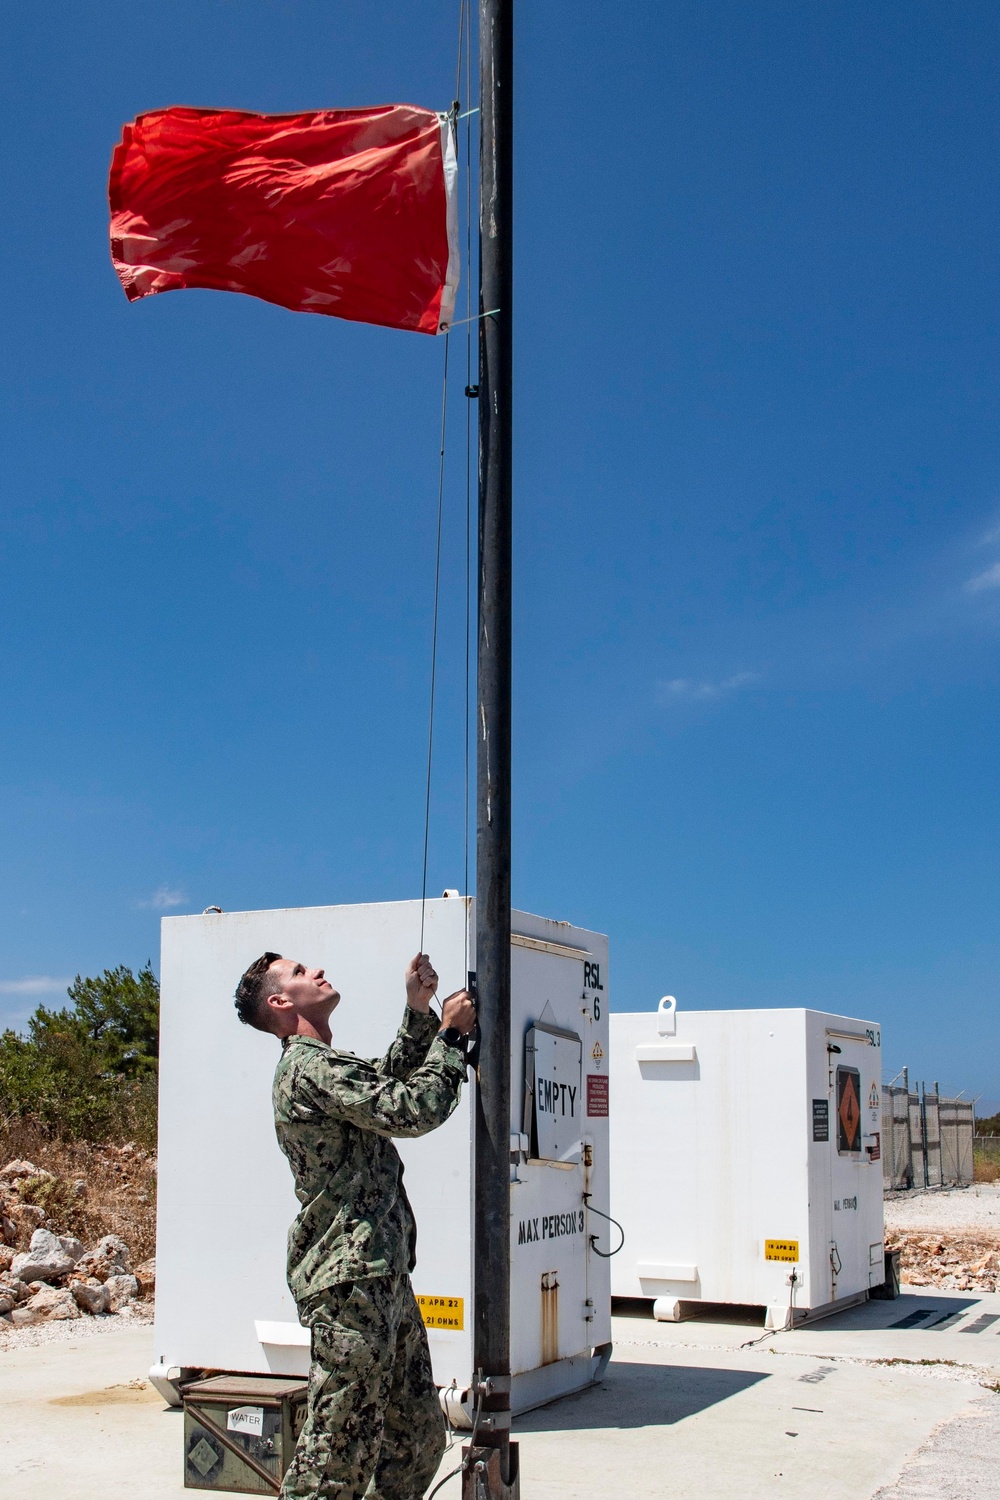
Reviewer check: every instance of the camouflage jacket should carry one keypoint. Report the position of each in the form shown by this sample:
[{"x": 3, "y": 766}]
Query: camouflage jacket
[{"x": 335, "y": 1114}]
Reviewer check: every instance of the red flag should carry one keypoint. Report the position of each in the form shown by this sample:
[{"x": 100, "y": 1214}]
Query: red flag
[{"x": 349, "y": 212}]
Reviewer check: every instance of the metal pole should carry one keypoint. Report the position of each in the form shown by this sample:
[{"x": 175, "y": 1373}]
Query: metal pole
[
  {"x": 909, "y": 1130},
  {"x": 491, "y": 1341}
]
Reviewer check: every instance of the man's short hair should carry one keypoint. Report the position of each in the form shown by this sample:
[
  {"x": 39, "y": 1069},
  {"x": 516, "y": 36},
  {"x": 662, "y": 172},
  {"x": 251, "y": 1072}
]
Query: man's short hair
[{"x": 252, "y": 992}]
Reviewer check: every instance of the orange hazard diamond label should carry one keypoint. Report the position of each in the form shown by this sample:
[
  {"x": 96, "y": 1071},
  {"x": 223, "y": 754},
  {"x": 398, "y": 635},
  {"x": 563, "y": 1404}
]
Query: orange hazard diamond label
[{"x": 848, "y": 1109}]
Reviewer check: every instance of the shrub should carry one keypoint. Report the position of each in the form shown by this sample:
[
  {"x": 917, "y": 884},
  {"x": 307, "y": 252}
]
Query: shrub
[
  {"x": 94, "y": 1190},
  {"x": 88, "y": 1072},
  {"x": 985, "y": 1166}
]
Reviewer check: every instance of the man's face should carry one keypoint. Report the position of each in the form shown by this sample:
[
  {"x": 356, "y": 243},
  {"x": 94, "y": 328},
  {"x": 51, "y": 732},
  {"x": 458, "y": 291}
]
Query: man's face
[{"x": 310, "y": 992}]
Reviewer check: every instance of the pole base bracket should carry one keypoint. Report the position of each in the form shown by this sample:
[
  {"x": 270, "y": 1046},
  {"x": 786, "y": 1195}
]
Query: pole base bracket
[{"x": 482, "y": 1474}]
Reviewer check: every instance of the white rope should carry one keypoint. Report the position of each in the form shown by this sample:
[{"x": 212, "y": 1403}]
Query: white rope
[
  {"x": 434, "y": 638},
  {"x": 462, "y": 53},
  {"x": 447, "y": 327}
]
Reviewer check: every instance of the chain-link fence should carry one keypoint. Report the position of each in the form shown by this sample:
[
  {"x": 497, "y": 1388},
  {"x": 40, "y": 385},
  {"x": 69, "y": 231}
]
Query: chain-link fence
[{"x": 926, "y": 1139}]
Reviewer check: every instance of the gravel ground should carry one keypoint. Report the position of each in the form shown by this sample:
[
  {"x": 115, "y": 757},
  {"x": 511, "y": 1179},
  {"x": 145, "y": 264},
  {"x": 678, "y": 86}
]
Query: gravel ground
[
  {"x": 68, "y": 1330},
  {"x": 973, "y": 1209},
  {"x": 960, "y": 1461}
]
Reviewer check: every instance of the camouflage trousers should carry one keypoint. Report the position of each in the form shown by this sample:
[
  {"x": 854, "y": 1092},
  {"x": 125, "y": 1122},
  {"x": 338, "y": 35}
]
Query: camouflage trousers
[{"x": 374, "y": 1425}]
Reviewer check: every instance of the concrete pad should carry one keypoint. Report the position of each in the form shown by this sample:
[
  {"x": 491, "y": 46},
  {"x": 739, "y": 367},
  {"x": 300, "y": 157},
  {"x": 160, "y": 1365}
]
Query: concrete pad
[
  {"x": 79, "y": 1421},
  {"x": 961, "y": 1328},
  {"x": 684, "y": 1422},
  {"x": 960, "y": 1462}
]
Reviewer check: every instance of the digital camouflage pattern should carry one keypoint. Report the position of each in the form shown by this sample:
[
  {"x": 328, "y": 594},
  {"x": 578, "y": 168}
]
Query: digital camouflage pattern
[
  {"x": 374, "y": 1425},
  {"x": 335, "y": 1114}
]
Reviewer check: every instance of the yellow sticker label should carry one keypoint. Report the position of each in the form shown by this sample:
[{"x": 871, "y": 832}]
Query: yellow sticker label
[
  {"x": 781, "y": 1250},
  {"x": 442, "y": 1312}
]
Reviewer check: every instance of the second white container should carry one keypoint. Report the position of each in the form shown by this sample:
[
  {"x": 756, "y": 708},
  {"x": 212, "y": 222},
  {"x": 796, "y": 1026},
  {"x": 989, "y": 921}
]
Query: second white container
[{"x": 745, "y": 1159}]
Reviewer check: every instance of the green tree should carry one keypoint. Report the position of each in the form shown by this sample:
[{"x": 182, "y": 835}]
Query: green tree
[
  {"x": 88, "y": 1071},
  {"x": 114, "y": 1019}
]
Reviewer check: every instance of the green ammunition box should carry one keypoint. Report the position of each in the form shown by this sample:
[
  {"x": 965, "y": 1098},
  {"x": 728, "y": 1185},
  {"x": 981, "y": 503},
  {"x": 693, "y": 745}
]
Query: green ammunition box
[{"x": 240, "y": 1432}]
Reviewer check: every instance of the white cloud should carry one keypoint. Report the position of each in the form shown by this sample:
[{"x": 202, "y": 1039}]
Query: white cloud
[
  {"x": 988, "y": 580},
  {"x": 34, "y": 984},
  {"x": 163, "y": 899},
  {"x": 686, "y": 687}
]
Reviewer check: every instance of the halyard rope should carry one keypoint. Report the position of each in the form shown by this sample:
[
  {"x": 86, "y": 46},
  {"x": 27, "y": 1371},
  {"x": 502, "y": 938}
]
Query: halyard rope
[
  {"x": 434, "y": 635},
  {"x": 463, "y": 54}
]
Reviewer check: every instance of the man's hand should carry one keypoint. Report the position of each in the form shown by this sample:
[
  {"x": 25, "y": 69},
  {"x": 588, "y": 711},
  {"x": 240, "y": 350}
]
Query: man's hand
[
  {"x": 459, "y": 1011},
  {"x": 421, "y": 983}
]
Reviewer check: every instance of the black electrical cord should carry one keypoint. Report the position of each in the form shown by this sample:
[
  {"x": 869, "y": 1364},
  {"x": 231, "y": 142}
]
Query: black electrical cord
[
  {"x": 472, "y": 1443},
  {"x": 604, "y": 1254}
]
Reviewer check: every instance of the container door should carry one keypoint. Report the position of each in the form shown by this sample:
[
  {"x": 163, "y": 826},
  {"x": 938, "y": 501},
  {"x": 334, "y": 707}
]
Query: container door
[
  {"x": 553, "y": 1103},
  {"x": 855, "y": 1164},
  {"x": 550, "y": 1222}
]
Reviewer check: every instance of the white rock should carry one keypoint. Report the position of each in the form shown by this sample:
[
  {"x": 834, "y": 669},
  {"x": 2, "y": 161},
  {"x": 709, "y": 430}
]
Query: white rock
[
  {"x": 109, "y": 1257},
  {"x": 45, "y": 1260},
  {"x": 114, "y": 1248},
  {"x": 121, "y": 1290},
  {"x": 14, "y": 1292},
  {"x": 71, "y": 1246},
  {"x": 19, "y": 1168},
  {"x": 93, "y": 1299},
  {"x": 53, "y": 1303}
]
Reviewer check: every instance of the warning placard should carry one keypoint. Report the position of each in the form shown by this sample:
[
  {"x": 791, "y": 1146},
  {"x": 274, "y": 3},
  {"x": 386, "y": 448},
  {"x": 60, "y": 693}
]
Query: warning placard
[
  {"x": 597, "y": 1096},
  {"x": 848, "y": 1110},
  {"x": 442, "y": 1312},
  {"x": 781, "y": 1250}
]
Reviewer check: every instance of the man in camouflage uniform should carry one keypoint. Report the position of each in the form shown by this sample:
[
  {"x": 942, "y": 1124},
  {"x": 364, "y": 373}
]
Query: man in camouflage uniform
[{"x": 374, "y": 1425}]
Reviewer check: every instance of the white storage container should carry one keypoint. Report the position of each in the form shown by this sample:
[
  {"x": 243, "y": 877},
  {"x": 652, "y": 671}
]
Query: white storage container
[
  {"x": 745, "y": 1159},
  {"x": 225, "y": 1190}
]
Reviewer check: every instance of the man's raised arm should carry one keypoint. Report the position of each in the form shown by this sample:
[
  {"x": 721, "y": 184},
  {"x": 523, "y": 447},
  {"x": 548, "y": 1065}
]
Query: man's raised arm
[
  {"x": 419, "y": 1026},
  {"x": 334, "y": 1086}
]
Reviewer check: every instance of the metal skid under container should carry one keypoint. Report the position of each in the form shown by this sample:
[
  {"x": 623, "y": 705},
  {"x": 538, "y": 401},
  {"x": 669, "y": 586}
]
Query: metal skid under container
[
  {"x": 225, "y": 1198},
  {"x": 745, "y": 1158}
]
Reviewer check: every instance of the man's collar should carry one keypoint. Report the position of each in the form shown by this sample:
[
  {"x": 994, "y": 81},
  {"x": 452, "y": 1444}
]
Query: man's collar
[{"x": 309, "y": 1041}]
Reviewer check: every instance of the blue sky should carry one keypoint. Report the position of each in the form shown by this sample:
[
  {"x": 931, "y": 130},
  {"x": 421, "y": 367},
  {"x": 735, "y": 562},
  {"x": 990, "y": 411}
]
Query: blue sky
[{"x": 758, "y": 512}]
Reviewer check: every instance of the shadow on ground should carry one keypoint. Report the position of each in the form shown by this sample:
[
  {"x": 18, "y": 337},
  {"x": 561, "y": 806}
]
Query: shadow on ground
[
  {"x": 639, "y": 1395},
  {"x": 919, "y": 1311}
]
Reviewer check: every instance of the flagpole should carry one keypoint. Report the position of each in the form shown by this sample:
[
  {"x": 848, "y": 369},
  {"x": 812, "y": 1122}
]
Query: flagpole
[{"x": 497, "y": 1470}]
